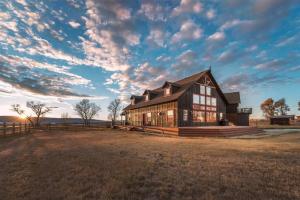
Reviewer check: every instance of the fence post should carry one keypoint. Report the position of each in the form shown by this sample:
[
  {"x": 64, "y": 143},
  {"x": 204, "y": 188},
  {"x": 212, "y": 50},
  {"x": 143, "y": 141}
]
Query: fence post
[
  {"x": 20, "y": 128},
  {"x": 29, "y": 128},
  {"x": 25, "y": 127},
  {"x": 14, "y": 128},
  {"x": 4, "y": 128}
]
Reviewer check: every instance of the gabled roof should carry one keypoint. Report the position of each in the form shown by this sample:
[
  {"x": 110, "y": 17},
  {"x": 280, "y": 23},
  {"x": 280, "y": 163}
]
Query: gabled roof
[
  {"x": 136, "y": 97},
  {"x": 233, "y": 97},
  {"x": 149, "y": 92},
  {"x": 170, "y": 83},
  {"x": 182, "y": 85}
]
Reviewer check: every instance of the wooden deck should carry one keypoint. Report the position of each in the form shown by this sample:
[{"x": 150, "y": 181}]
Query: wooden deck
[{"x": 205, "y": 131}]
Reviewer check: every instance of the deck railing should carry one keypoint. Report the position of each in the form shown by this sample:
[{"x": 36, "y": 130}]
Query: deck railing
[{"x": 245, "y": 110}]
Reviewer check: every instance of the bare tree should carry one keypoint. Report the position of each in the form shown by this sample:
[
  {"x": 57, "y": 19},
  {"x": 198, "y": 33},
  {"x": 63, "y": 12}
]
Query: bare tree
[
  {"x": 17, "y": 108},
  {"x": 87, "y": 110},
  {"x": 268, "y": 107},
  {"x": 281, "y": 108},
  {"x": 65, "y": 118},
  {"x": 39, "y": 110},
  {"x": 114, "y": 109}
]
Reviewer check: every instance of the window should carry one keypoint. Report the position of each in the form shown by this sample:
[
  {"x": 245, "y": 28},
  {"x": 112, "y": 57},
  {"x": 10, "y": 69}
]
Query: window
[
  {"x": 168, "y": 91},
  {"x": 208, "y": 91},
  {"x": 198, "y": 116},
  {"x": 202, "y": 100},
  {"x": 196, "y": 99},
  {"x": 208, "y": 99},
  {"x": 202, "y": 89},
  {"x": 148, "y": 117},
  {"x": 147, "y": 97},
  {"x": 213, "y": 101},
  {"x": 170, "y": 113},
  {"x": 185, "y": 115},
  {"x": 221, "y": 116},
  {"x": 170, "y": 117},
  {"x": 211, "y": 117},
  {"x": 132, "y": 101}
]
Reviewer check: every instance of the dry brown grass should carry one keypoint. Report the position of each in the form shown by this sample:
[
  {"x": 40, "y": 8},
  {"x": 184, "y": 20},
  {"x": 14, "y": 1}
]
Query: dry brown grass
[{"x": 115, "y": 165}]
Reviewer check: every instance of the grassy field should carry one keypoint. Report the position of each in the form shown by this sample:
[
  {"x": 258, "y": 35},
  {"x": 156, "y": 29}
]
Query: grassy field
[{"x": 118, "y": 165}]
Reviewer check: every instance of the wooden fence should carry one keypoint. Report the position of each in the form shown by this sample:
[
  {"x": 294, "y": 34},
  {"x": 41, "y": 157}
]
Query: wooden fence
[
  {"x": 7, "y": 129},
  {"x": 10, "y": 129}
]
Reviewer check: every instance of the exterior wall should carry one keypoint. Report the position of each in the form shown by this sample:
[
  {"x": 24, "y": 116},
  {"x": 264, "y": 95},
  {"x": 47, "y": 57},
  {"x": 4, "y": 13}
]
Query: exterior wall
[
  {"x": 159, "y": 117},
  {"x": 185, "y": 102},
  {"x": 232, "y": 108},
  {"x": 238, "y": 119}
]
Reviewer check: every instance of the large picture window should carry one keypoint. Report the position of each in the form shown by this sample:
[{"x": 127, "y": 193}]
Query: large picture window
[
  {"x": 198, "y": 116},
  {"x": 206, "y": 111},
  {"x": 202, "y": 89},
  {"x": 208, "y": 101},
  {"x": 208, "y": 91},
  {"x": 213, "y": 101},
  {"x": 211, "y": 116},
  {"x": 196, "y": 99},
  {"x": 202, "y": 100}
]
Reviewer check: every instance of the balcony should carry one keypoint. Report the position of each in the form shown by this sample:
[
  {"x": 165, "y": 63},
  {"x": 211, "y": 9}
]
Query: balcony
[{"x": 245, "y": 110}]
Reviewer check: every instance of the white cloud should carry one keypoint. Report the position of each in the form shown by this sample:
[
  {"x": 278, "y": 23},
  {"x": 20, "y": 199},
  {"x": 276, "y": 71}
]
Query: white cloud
[
  {"x": 156, "y": 36},
  {"x": 23, "y": 2},
  {"x": 187, "y": 6},
  {"x": 286, "y": 41},
  {"x": 74, "y": 24},
  {"x": 274, "y": 64},
  {"x": 188, "y": 31},
  {"x": 153, "y": 11},
  {"x": 73, "y": 79},
  {"x": 233, "y": 23},
  {"x": 217, "y": 36},
  {"x": 186, "y": 61},
  {"x": 163, "y": 58}
]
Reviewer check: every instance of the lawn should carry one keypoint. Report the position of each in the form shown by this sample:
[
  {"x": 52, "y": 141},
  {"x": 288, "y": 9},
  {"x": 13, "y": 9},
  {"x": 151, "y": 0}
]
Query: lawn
[{"x": 128, "y": 165}]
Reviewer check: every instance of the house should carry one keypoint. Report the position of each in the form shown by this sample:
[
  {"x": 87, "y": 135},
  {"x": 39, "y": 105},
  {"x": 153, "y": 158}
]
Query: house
[{"x": 193, "y": 101}]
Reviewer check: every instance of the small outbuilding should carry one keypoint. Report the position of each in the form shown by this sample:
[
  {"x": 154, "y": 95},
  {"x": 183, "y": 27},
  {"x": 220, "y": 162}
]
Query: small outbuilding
[{"x": 282, "y": 120}]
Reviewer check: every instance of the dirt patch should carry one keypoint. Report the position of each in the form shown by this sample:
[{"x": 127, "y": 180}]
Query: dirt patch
[{"x": 127, "y": 165}]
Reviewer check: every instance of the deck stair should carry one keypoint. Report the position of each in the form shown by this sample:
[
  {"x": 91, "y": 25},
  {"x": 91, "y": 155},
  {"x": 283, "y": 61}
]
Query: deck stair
[{"x": 218, "y": 131}]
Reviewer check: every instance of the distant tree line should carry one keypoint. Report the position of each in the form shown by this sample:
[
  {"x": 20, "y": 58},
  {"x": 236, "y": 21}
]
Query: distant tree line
[{"x": 85, "y": 109}]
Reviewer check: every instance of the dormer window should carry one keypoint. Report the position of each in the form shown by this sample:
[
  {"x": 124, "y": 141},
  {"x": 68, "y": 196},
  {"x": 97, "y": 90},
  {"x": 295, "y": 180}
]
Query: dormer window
[
  {"x": 168, "y": 91},
  {"x": 147, "y": 97},
  {"x": 132, "y": 101}
]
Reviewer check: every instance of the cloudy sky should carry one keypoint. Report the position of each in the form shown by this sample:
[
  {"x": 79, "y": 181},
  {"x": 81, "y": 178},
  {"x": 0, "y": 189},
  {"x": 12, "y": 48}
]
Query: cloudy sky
[{"x": 61, "y": 51}]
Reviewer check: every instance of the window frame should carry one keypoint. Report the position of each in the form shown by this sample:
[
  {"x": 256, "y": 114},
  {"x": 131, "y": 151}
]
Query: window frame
[
  {"x": 206, "y": 109},
  {"x": 194, "y": 98},
  {"x": 185, "y": 115},
  {"x": 168, "y": 91}
]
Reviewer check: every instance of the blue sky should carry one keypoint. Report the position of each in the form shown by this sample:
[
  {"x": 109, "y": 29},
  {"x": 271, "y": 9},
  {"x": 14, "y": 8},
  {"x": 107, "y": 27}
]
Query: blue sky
[{"x": 61, "y": 51}]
